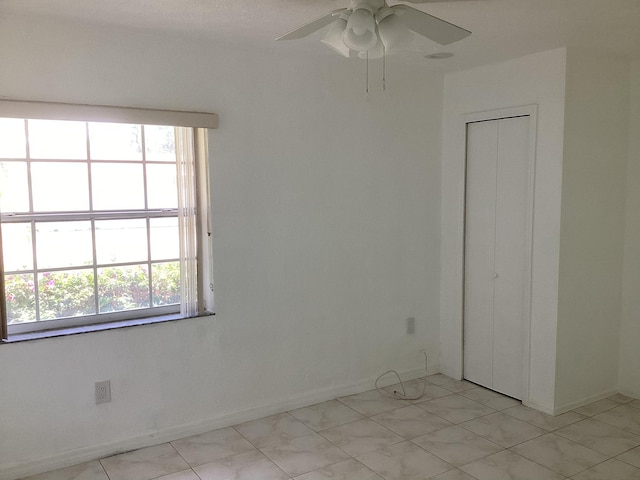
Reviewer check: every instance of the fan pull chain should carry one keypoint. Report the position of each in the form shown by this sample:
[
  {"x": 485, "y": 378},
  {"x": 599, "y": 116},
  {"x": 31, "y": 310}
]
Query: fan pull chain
[
  {"x": 367, "y": 86},
  {"x": 384, "y": 68},
  {"x": 384, "y": 71}
]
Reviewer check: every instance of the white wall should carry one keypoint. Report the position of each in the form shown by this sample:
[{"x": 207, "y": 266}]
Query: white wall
[
  {"x": 326, "y": 208},
  {"x": 537, "y": 79},
  {"x": 592, "y": 232},
  {"x": 630, "y": 326}
]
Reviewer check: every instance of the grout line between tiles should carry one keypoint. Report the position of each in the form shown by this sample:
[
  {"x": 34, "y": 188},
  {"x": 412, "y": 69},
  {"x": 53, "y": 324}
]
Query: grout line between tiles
[
  {"x": 103, "y": 469},
  {"x": 528, "y": 459},
  {"x": 549, "y": 433}
]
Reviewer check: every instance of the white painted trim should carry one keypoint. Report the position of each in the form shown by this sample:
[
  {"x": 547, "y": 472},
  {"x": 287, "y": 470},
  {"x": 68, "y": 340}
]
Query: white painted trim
[
  {"x": 532, "y": 112},
  {"x": 103, "y": 113},
  {"x": 581, "y": 403},
  {"x": 85, "y": 454},
  {"x": 540, "y": 408},
  {"x": 629, "y": 392}
]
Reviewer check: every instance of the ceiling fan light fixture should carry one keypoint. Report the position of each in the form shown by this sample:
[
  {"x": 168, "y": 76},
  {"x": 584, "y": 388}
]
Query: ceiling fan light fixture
[
  {"x": 333, "y": 38},
  {"x": 360, "y": 33},
  {"x": 373, "y": 53},
  {"x": 372, "y": 28},
  {"x": 392, "y": 30}
]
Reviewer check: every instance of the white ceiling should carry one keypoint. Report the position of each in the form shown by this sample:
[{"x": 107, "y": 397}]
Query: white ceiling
[{"x": 501, "y": 28}]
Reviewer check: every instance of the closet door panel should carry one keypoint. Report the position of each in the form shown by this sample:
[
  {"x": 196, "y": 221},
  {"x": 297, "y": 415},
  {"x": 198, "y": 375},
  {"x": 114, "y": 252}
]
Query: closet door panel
[
  {"x": 510, "y": 256},
  {"x": 482, "y": 154}
]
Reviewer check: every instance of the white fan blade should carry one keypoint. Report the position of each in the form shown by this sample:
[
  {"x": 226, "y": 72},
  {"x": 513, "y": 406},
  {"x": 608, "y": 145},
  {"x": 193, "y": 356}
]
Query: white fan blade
[
  {"x": 311, "y": 27},
  {"x": 429, "y": 26}
]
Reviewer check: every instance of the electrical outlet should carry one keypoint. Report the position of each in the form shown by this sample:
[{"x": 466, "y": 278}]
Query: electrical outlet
[
  {"x": 103, "y": 392},
  {"x": 411, "y": 325}
]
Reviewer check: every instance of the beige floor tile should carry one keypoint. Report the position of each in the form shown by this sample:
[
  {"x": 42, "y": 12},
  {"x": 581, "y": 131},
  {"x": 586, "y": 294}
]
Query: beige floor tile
[
  {"x": 600, "y": 437},
  {"x": 453, "y": 475},
  {"x": 490, "y": 398},
  {"x": 372, "y": 403},
  {"x": 507, "y": 465},
  {"x": 503, "y": 429},
  {"x": 466, "y": 429},
  {"x": 632, "y": 457},
  {"x": 620, "y": 398},
  {"x": 326, "y": 415},
  {"x": 542, "y": 420},
  {"x": 449, "y": 383},
  {"x": 347, "y": 470},
  {"x": 184, "y": 475},
  {"x": 211, "y": 446},
  {"x": 404, "y": 461},
  {"x": 361, "y": 436},
  {"x": 85, "y": 471},
  {"x": 456, "y": 408},
  {"x": 457, "y": 445},
  {"x": 273, "y": 429},
  {"x": 304, "y": 454},
  {"x": 246, "y": 466},
  {"x": 624, "y": 416},
  {"x": 596, "y": 407},
  {"x": 559, "y": 454},
  {"x": 610, "y": 470},
  {"x": 145, "y": 463},
  {"x": 411, "y": 422},
  {"x": 417, "y": 387}
]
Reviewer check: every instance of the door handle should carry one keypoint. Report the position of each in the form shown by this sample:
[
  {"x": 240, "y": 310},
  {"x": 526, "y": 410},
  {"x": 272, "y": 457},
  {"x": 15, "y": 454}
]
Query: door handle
[{"x": 495, "y": 275}]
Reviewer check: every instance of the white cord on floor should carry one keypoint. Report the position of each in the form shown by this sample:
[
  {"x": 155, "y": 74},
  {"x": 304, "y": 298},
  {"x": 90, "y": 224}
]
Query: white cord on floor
[{"x": 403, "y": 396}]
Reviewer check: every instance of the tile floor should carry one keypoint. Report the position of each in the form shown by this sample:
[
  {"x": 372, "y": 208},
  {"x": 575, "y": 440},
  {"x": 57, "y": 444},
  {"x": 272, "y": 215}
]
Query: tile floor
[{"x": 457, "y": 431}]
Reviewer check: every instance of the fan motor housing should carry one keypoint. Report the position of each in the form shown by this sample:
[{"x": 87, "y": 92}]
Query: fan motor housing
[{"x": 374, "y": 5}]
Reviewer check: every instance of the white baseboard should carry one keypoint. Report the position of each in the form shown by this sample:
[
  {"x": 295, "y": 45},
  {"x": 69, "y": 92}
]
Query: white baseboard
[
  {"x": 629, "y": 392},
  {"x": 540, "y": 408},
  {"x": 85, "y": 454},
  {"x": 582, "y": 402}
]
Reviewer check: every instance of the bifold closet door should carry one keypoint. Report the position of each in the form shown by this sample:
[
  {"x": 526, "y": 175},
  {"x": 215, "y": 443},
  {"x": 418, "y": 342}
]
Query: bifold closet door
[{"x": 496, "y": 253}]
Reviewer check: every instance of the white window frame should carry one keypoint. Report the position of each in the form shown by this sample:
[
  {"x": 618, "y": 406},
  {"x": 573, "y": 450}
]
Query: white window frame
[{"x": 199, "y": 123}]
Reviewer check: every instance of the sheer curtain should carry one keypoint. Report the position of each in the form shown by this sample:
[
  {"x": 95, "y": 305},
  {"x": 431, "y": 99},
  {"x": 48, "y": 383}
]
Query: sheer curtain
[
  {"x": 3, "y": 309},
  {"x": 205, "y": 233},
  {"x": 187, "y": 204},
  {"x": 194, "y": 221}
]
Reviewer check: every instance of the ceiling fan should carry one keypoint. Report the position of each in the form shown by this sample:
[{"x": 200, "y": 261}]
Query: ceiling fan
[{"x": 372, "y": 28}]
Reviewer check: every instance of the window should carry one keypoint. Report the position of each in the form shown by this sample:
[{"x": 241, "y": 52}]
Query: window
[{"x": 101, "y": 222}]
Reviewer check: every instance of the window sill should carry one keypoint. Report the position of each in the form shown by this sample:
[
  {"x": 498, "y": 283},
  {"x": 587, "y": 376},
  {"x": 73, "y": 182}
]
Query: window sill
[{"x": 101, "y": 327}]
